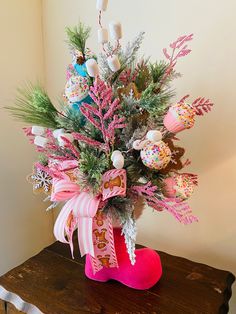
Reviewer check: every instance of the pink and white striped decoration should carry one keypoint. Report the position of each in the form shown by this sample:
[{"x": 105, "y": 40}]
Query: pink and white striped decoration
[
  {"x": 84, "y": 211},
  {"x": 79, "y": 211}
]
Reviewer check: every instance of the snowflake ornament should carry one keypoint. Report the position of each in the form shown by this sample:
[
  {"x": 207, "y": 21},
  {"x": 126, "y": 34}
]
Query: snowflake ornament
[{"x": 41, "y": 181}]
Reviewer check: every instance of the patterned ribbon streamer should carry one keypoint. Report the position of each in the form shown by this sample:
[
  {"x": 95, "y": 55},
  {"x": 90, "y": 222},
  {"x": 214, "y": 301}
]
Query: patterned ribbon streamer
[
  {"x": 79, "y": 211},
  {"x": 95, "y": 231},
  {"x": 103, "y": 240}
]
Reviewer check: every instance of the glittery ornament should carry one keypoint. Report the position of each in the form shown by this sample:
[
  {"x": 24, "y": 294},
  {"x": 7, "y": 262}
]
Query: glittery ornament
[
  {"x": 77, "y": 89},
  {"x": 41, "y": 181},
  {"x": 70, "y": 71},
  {"x": 156, "y": 155},
  {"x": 180, "y": 186},
  {"x": 179, "y": 117}
]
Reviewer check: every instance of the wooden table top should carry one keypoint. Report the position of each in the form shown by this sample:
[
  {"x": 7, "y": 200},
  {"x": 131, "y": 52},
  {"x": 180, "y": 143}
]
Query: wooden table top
[{"x": 56, "y": 284}]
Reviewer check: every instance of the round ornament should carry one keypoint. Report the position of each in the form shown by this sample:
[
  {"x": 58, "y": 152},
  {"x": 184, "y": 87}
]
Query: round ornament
[
  {"x": 77, "y": 89},
  {"x": 70, "y": 71},
  {"x": 115, "y": 154},
  {"x": 154, "y": 136},
  {"x": 156, "y": 155},
  {"x": 118, "y": 159},
  {"x": 118, "y": 163},
  {"x": 180, "y": 186}
]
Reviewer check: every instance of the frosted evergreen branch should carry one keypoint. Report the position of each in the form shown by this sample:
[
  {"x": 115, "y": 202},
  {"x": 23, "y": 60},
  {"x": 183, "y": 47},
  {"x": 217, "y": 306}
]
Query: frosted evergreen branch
[
  {"x": 129, "y": 54},
  {"x": 129, "y": 230}
]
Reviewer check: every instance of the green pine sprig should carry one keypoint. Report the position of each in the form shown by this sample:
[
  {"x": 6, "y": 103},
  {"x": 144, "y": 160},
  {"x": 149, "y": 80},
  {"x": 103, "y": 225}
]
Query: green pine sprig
[
  {"x": 72, "y": 120},
  {"x": 33, "y": 106},
  {"x": 143, "y": 78},
  {"x": 156, "y": 104},
  {"x": 77, "y": 36},
  {"x": 157, "y": 70},
  {"x": 92, "y": 165}
]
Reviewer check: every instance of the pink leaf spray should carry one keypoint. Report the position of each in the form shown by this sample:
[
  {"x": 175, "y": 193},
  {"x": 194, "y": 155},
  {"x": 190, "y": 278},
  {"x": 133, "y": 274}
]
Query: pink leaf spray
[
  {"x": 180, "y": 210},
  {"x": 179, "y": 49},
  {"x": 201, "y": 105},
  {"x": 103, "y": 114}
]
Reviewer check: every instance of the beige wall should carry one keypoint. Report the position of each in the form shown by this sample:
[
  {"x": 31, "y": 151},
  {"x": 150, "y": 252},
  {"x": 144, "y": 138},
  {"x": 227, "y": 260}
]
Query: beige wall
[
  {"x": 210, "y": 71},
  {"x": 24, "y": 226}
]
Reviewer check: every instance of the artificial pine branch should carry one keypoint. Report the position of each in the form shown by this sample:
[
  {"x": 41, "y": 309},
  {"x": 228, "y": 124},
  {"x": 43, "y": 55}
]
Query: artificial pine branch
[
  {"x": 77, "y": 36},
  {"x": 71, "y": 120},
  {"x": 129, "y": 55},
  {"x": 127, "y": 58},
  {"x": 92, "y": 164},
  {"x": 201, "y": 105},
  {"x": 81, "y": 138},
  {"x": 33, "y": 106},
  {"x": 143, "y": 77},
  {"x": 179, "y": 49},
  {"x": 157, "y": 70},
  {"x": 129, "y": 105},
  {"x": 156, "y": 104}
]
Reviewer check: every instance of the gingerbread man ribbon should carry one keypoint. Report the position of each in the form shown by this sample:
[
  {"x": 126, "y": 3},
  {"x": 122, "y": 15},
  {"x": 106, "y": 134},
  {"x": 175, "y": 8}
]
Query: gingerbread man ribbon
[{"x": 80, "y": 212}]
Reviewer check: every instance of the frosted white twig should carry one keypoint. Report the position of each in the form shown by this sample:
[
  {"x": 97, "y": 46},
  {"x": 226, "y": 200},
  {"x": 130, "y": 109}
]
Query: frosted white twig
[
  {"x": 53, "y": 204},
  {"x": 129, "y": 230}
]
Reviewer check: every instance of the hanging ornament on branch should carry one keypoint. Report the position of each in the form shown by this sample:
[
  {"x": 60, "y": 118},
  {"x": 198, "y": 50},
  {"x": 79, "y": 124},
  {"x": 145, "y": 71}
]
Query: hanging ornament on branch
[
  {"x": 179, "y": 117},
  {"x": 180, "y": 186},
  {"x": 115, "y": 34},
  {"x": 156, "y": 155}
]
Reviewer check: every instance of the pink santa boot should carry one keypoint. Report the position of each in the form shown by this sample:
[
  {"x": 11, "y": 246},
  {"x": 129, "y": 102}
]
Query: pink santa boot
[{"x": 143, "y": 275}]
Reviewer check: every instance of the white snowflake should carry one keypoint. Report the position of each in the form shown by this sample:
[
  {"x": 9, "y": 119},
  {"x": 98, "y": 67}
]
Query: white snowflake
[{"x": 41, "y": 180}]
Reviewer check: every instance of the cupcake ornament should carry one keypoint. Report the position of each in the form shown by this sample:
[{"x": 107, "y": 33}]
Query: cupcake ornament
[
  {"x": 77, "y": 90},
  {"x": 179, "y": 186},
  {"x": 179, "y": 117}
]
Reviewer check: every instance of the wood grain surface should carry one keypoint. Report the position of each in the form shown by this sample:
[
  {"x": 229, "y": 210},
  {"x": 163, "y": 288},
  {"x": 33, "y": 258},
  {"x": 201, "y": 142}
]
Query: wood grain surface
[{"x": 56, "y": 284}]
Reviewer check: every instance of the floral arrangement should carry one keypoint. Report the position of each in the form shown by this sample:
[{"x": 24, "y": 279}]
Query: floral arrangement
[{"x": 111, "y": 143}]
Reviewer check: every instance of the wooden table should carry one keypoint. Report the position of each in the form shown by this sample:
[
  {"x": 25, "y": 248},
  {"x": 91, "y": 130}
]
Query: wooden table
[{"x": 52, "y": 283}]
